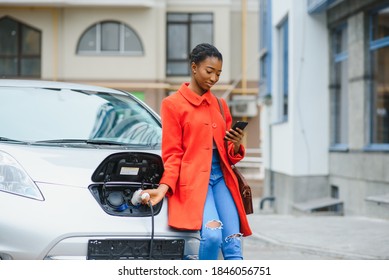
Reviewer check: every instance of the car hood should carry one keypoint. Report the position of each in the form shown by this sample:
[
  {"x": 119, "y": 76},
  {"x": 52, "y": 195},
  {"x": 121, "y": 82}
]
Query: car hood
[{"x": 61, "y": 165}]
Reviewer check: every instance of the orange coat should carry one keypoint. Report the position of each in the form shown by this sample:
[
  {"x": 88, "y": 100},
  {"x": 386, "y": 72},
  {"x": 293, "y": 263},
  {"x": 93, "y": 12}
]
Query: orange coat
[{"x": 190, "y": 123}]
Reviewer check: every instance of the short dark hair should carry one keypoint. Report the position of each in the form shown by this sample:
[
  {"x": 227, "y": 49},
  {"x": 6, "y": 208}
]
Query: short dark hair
[{"x": 202, "y": 51}]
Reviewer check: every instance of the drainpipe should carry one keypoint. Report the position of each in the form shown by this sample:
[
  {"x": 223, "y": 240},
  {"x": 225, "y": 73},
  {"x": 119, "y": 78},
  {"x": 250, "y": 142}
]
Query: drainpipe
[
  {"x": 244, "y": 54},
  {"x": 271, "y": 198},
  {"x": 244, "y": 44}
]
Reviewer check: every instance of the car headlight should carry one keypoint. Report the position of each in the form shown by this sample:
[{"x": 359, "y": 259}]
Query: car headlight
[{"x": 14, "y": 179}]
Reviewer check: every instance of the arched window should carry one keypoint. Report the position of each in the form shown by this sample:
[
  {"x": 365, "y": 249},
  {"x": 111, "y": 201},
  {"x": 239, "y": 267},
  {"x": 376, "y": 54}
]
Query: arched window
[
  {"x": 20, "y": 49},
  {"x": 110, "y": 37}
]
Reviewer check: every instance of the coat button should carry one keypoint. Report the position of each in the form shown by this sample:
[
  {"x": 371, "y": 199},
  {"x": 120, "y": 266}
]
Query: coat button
[{"x": 214, "y": 125}]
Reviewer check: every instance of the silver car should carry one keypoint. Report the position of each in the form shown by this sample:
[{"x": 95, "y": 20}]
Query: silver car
[{"x": 72, "y": 159}]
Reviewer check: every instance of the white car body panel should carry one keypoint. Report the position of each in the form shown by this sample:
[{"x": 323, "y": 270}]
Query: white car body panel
[{"x": 74, "y": 209}]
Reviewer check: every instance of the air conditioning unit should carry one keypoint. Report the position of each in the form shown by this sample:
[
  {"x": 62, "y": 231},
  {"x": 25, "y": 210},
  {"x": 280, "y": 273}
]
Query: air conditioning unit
[{"x": 244, "y": 105}]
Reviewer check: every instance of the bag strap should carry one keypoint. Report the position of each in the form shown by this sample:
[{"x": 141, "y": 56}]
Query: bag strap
[
  {"x": 221, "y": 108},
  {"x": 224, "y": 117}
]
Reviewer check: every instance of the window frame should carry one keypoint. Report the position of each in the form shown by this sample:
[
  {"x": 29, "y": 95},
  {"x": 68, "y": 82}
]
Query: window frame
[
  {"x": 336, "y": 121},
  {"x": 188, "y": 23},
  {"x": 265, "y": 45},
  {"x": 283, "y": 70},
  {"x": 374, "y": 45},
  {"x": 98, "y": 39},
  {"x": 20, "y": 56}
]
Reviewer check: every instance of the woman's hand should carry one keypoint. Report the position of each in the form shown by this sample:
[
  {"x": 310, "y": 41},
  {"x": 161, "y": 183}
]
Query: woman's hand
[
  {"x": 236, "y": 137},
  {"x": 155, "y": 195}
]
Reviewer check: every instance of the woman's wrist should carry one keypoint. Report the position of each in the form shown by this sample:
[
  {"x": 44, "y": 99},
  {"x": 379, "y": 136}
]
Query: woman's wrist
[
  {"x": 236, "y": 149},
  {"x": 164, "y": 188}
]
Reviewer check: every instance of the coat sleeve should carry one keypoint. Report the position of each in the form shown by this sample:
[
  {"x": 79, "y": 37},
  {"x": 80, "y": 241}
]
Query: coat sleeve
[
  {"x": 171, "y": 144},
  {"x": 233, "y": 158}
]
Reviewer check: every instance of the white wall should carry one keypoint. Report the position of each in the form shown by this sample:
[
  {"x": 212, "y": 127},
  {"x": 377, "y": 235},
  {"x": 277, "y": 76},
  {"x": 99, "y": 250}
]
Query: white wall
[
  {"x": 310, "y": 94},
  {"x": 300, "y": 145},
  {"x": 282, "y": 133}
]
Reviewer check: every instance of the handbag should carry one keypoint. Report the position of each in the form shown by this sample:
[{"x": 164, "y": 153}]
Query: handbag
[{"x": 244, "y": 188}]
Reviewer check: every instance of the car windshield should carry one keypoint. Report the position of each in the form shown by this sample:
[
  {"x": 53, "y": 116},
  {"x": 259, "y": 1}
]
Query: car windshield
[{"x": 60, "y": 115}]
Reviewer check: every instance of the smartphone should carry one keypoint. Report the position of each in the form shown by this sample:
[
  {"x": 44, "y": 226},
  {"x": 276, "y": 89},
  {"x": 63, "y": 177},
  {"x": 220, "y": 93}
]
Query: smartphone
[{"x": 240, "y": 124}]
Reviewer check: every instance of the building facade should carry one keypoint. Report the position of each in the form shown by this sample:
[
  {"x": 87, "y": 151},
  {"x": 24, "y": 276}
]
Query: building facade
[
  {"x": 137, "y": 45},
  {"x": 325, "y": 119}
]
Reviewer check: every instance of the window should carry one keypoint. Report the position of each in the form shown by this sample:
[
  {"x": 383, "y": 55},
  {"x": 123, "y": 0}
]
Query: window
[
  {"x": 184, "y": 32},
  {"x": 265, "y": 48},
  {"x": 20, "y": 50},
  {"x": 379, "y": 67},
  {"x": 283, "y": 73},
  {"x": 110, "y": 37},
  {"x": 339, "y": 89}
]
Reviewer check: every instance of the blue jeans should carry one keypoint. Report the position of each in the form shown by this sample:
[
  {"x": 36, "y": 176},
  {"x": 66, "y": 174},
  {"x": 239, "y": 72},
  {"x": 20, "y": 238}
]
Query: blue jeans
[{"x": 220, "y": 229}]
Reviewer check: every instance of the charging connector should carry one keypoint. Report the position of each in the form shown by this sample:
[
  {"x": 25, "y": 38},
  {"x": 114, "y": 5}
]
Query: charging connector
[{"x": 137, "y": 197}]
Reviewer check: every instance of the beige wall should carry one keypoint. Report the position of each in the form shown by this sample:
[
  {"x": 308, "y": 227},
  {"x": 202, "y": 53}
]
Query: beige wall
[
  {"x": 43, "y": 20},
  {"x": 62, "y": 27},
  {"x": 110, "y": 67},
  {"x": 252, "y": 44}
]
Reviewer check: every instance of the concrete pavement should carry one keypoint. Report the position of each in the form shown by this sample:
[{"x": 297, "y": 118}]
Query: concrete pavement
[{"x": 341, "y": 237}]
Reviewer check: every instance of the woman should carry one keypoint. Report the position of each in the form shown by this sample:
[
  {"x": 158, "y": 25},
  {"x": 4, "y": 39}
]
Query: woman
[{"x": 198, "y": 180}]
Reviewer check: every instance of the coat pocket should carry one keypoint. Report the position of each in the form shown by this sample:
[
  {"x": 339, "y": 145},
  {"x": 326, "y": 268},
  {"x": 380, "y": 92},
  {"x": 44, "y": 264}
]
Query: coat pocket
[{"x": 184, "y": 174}]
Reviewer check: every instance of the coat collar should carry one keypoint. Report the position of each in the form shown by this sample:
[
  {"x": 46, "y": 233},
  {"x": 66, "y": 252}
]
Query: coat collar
[{"x": 194, "y": 98}]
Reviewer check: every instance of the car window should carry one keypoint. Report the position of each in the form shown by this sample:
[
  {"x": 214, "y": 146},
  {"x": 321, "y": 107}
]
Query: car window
[{"x": 41, "y": 114}]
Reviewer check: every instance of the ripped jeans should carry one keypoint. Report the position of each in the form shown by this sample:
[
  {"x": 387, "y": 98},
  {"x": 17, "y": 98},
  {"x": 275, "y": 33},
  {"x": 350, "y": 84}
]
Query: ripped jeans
[{"x": 220, "y": 229}]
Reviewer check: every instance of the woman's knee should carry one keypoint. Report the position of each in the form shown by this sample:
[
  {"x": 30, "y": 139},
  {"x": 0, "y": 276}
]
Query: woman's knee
[
  {"x": 232, "y": 247},
  {"x": 213, "y": 231}
]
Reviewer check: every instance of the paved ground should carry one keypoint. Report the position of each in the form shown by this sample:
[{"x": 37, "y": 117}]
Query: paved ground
[
  {"x": 257, "y": 249},
  {"x": 316, "y": 237}
]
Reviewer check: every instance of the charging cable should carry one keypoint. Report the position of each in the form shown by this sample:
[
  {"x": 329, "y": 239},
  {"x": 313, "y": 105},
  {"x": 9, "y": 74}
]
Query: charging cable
[
  {"x": 152, "y": 229},
  {"x": 136, "y": 200}
]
